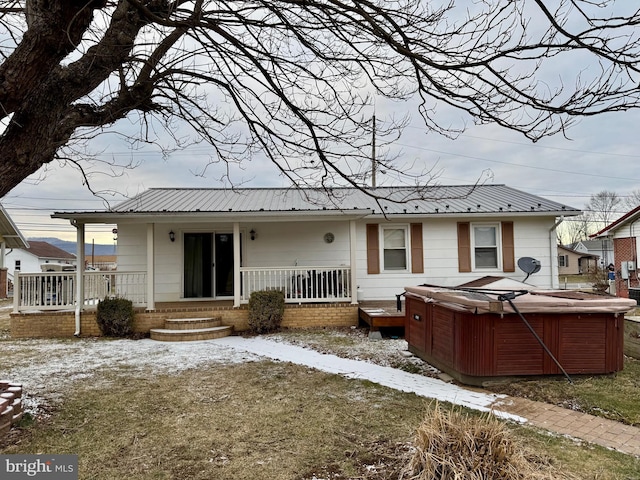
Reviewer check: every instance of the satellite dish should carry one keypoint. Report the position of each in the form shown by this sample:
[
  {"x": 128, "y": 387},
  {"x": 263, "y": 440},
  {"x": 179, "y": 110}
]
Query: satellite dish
[{"x": 529, "y": 266}]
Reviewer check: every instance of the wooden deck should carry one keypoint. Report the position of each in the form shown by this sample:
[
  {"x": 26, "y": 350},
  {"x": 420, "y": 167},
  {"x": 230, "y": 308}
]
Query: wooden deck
[{"x": 381, "y": 315}]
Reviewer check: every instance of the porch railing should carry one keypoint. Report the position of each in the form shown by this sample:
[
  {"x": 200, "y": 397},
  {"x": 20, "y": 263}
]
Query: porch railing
[
  {"x": 57, "y": 290},
  {"x": 299, "y": 284}
]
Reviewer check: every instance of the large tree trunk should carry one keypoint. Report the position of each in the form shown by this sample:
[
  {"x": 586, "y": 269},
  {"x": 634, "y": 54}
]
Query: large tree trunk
[{"x": 42, "y": 95}]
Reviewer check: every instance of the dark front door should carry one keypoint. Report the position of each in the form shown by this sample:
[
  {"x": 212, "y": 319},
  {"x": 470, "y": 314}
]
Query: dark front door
[
  {"x": 198, "y": 265},
  {"x": 224, "y": 264}
]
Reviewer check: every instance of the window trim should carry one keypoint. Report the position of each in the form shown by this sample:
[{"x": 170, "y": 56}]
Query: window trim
[
  {"x": 407, "y": 248},
  {"x": 498, "y": 246}
]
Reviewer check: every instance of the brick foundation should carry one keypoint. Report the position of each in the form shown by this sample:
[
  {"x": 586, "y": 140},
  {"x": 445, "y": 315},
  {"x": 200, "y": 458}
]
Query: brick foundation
[{"x": 62, "y": 324}]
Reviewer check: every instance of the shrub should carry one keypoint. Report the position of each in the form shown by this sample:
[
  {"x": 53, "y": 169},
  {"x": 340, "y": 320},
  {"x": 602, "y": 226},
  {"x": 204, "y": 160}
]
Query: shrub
[
  {"x": 453, "y": 445},
  {"x": 266, "y": 309},
  {"x": 115, "y": 317}
]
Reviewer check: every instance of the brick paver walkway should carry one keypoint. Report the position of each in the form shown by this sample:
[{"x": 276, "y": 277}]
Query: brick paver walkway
[{"x": 603, "y": 432}]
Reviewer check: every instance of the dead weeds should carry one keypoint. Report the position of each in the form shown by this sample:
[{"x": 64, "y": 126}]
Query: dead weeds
[{"x": 452, "y": 445}]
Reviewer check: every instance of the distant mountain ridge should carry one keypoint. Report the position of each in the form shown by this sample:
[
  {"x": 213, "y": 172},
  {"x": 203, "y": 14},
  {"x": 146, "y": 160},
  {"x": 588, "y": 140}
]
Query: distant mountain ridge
[{"x": 67, "y": 246}]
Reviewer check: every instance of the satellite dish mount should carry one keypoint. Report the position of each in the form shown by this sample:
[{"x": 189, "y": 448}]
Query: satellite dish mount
[{"x": 529, "y": 266}]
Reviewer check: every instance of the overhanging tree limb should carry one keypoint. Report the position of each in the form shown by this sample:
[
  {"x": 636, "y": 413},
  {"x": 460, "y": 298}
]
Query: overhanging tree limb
[{"x": 295, "y": 79}]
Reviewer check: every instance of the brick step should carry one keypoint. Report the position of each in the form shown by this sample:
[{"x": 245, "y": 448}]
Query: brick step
[
  {"x": 169, "y": 335},
  {"x": 192, "y": 323}
]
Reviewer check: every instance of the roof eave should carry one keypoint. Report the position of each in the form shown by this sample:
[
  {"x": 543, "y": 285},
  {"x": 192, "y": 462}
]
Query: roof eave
[{"x": 114, "y": 217}]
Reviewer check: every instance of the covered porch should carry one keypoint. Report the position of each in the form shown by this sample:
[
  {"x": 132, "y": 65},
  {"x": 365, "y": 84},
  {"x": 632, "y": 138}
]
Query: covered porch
[
  {"x": 240, "y": 267},
  {"x": 59, "y": 290}
]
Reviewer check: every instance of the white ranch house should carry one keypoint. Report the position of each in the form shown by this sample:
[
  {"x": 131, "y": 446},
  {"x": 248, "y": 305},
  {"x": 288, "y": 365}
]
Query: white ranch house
[{"x": 179, "y": 245}]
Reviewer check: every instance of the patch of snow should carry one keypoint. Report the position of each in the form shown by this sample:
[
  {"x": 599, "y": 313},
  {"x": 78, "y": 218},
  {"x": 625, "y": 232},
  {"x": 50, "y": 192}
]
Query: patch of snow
[{"x": 52, "y": 364}]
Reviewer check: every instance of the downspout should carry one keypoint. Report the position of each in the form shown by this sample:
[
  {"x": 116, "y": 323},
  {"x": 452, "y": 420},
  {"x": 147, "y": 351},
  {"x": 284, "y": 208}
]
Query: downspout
[{"x": 553, "y": 253}]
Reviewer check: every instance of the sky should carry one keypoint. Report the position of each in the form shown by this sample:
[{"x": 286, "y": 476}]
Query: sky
[{"x": 601, "y": 153}]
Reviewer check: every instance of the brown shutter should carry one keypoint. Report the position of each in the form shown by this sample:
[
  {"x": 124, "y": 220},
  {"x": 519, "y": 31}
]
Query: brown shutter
[
  {"x": 508, "y": 248},
  {"x": 373, "y": 248},
  {"x": 417, "y": 258},
  {"x": 464, "y": 247}
]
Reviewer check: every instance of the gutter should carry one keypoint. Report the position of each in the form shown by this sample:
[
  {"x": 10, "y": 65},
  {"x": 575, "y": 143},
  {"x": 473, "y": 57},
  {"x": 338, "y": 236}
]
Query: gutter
[{"x": 553, "y": 252}]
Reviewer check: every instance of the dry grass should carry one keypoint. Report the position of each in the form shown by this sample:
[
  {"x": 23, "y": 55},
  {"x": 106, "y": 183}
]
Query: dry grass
[
  {"x": 259, "y": 420},
  {"x": 452, "y": 445},
  {"x": 616, "y": 397},
  {"x": 266, "y": 420}
]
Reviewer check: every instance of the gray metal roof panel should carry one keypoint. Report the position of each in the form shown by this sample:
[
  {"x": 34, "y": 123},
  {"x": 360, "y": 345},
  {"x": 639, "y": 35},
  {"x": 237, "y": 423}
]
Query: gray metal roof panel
[{"x": 438, "y": 199}]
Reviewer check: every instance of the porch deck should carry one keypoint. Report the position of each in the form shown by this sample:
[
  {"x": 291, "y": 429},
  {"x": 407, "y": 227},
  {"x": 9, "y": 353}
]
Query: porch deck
[{"x": 381, "y": 314}]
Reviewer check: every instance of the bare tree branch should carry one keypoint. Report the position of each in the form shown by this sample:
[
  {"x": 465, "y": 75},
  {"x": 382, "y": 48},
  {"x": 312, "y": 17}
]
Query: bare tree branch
[{"x": 295, "y": 80}]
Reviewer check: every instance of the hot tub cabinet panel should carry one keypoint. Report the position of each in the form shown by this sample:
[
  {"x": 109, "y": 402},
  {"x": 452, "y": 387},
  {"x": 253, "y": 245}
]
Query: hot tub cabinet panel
[{"x": 475, "y": 347}]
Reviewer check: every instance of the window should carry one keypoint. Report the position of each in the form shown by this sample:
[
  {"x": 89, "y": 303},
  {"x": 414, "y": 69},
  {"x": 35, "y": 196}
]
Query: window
[
  {"x": 488, "y": 246},
  {"x": 398, "y": 247},
  {"x": 17, "y": 268},
  {"x": 485, "y": 246},
  {"x": 394, "y": 255},
  {"x": 563, "y": 260}
]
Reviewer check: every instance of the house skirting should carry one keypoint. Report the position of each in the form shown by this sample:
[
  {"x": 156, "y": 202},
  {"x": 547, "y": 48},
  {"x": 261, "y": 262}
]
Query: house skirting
[{"x": 62, "y": 324}]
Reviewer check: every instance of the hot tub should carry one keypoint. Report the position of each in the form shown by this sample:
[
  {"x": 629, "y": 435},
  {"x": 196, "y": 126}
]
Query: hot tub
[{"x": 476, "y": 337}]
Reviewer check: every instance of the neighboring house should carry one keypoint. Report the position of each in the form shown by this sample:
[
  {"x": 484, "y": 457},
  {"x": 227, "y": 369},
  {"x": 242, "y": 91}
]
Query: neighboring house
[
  {"x": 37, "y": 254},
  {"x": 624, "y": 233},
  {"x": 573, "y": 262},
  {"x": 10, "y": 237},
  {"x": 101, "y": 262},
  {"x": 222, "y": 244},
  {"x": 597, "y": 247}
]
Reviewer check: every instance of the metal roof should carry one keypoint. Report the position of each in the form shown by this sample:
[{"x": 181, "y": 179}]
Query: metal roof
[
  {"x": 389, "y": 201},
  {"x": 9, "y": 233}
]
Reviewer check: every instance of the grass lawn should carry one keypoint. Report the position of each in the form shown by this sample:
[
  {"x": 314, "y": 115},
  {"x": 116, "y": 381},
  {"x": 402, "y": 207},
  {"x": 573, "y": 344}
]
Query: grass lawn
[
  {"x": 259, "y": 420},
  {"x": 616, "y": 397}
]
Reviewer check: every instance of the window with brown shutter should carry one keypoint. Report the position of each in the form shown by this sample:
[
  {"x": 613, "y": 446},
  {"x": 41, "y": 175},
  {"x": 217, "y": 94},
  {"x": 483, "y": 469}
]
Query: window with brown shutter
[
  {"x": 417, "y": 257},
  {"x": 508, "y": 248},
  {"x": 373, "y": 249},
  {"x": 464, "y": 247}
]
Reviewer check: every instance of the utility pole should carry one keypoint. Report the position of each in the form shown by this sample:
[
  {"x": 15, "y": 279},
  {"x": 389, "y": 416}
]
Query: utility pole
[{"x": 373, "y": 153}]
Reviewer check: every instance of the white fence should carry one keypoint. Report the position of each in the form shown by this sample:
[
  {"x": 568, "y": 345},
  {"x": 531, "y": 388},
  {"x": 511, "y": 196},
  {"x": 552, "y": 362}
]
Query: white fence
[
  {"x": 299, "y": 284},
  {"x": 57, "y": 290}
]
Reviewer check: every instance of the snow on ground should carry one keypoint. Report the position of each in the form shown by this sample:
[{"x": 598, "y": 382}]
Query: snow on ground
[
  {"x": 50, "y": 365},
  {"x": 45, "y": 367}
]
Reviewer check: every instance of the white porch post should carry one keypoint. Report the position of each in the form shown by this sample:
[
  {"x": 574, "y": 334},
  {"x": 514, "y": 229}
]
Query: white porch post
[
  {"x": 151, "y": 302},
  {"x": 353, "y": 262},
  {"x": 79, "y": 274},
  {"x": 2, "y": 253},
  {"x": 236, "y": 265}
]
